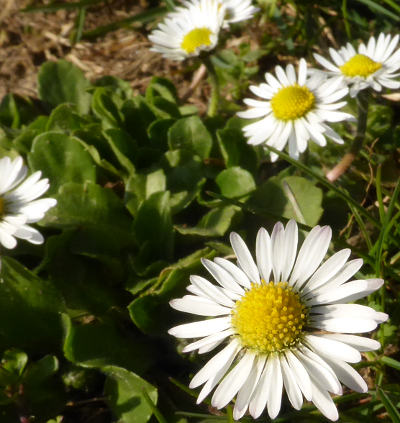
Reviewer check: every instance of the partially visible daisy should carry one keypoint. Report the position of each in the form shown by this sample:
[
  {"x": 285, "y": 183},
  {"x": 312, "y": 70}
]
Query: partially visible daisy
[
  {"x": 294, "y": 110},
  {"x": 238, "y": 11},
  {"x": 373, "y": 65},
  {"x": 235, "y": 10},
  {"x": 189, "y": 30},
  {"x": 283, "y": 321},
  {"x": 19, "y": 203}
]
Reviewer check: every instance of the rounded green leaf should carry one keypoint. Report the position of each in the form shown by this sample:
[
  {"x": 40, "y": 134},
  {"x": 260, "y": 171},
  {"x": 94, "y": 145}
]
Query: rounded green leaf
[
  {"x": 191, "y": 134},
  {"x": 125, "y": 395},
  {"x": 235, "y": 182},
  {"x": 61, "y": 158},
  {"x": 62, "y": 82}
]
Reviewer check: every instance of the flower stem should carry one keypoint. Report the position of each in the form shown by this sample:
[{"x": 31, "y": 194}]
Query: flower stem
[
  {"x": 348, "y": 158},
  {"x": 213, "y": 105}
]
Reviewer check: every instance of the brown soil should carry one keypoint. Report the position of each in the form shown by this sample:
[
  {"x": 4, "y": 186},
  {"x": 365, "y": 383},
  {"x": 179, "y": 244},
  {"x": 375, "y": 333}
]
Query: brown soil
[{"x": 29, "y": 39}]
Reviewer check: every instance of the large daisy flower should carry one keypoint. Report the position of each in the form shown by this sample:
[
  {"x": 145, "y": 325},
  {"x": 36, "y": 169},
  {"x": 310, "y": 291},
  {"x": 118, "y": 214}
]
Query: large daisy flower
[
  {"x": 19, "y": 203},
  {"x": 189, "y": 30},
  {"x": 373, "y": 65},
  {"x": 294, "y": 110},
  {"x": 284, "y": 323}
]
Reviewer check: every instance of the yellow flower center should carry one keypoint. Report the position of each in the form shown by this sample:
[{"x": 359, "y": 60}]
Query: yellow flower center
[
  {"x": 196, "y": 38},
  {"x": 360, "y": 65},
  {"x": 292, "y": 102},
  {"x": 269, "y": 317},
  {"x": 2, "y": 206}
]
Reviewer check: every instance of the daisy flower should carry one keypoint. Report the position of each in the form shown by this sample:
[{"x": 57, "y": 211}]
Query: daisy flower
[
  {"x": 235, "y": 10},
  {"x": 373, "y": 65},
  {"x": 190, "y": 30},
  {"x": 294, "y": 110},
  {"x": 283, "y": 321},
  {"x": 238, "y": 11},
  {"x": 19, "y": 204}
]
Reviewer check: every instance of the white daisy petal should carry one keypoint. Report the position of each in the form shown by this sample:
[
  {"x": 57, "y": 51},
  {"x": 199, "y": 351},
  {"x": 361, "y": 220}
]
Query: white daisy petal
[
  {"x": 261, "y": 393},
  {"x": 211, "y": 291},
  {"x": 201, "y": 328},
  {"x": 197, "y": 305},
  {"x": 331, "y": 348},
  {"x": 222, "y": 276},
  {"x": 264, "y": 257},
  {"x": 291, "y": 387},
  {"x": 360, "y": 343},
  {"x": 19, "y": 203},
  {"x": 347, "y": 375},
  {"x": 235, "y": 379},
  {"x": 328, "y": 269},
  {"x": 311, "y": 254},
  {"x": 244, "y": 257},
  {"x": 246, "y": 391},
  {"x": 215, "y": 364},
  {"x": 275, "y": 394},
  {"x": 319, "y": 370},
  {"x": 208, "y": 340},
  {"x": 237, "y": 274},
  {"x": 323, "y": 401},
  {"x": 300, "y": 373}
]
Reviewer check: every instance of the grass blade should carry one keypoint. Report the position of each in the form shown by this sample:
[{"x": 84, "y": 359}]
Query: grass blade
[
  {"x": 390, "y": 407},
  {"x": 143, "y": 17}
]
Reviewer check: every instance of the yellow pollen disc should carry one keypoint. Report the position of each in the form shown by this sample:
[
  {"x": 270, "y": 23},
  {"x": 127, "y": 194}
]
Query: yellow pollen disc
[
  {"x": 292, "y": 102},
  {"x": 197, "y": 37},
  {"x": 269, "y": 318},
  {"x": 360, "y": 65},
  {"x": 2, "y": 206}
]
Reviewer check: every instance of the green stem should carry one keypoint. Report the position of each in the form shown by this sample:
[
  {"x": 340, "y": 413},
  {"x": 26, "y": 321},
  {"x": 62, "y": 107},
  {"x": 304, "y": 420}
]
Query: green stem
[
  {"x": 213, "y": 106},
  {"x": 348, "y": 158}
]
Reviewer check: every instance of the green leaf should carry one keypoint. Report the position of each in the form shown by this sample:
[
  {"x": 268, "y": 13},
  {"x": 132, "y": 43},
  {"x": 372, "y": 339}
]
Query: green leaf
[
  {"x": 29, "y": 309},
  {"x": 125, "y": 395},
  {"x": 41, "y": 370},
  {"x": 62, "y": 82},
  {"x": 235, "y": 182},
  {"x": 61, "y": 158},
  {"x": 191, "y": 134},
  {"x": 102, "y": 343},
  {"x": 14, "y": 361},
  {"x": 123, "y": 146},
  {"x": 161, "y": 87},
  {"x": 118, "y": 86},
  {"x": 170, "y": 283},
  {"x": 390, "y": 407},
  {"x": 153, "y": 225},
  {"x": 291, "y": 197},
  {"x": 64, "y": 118},
  {"x": 91, "y": 206},
  {"x": 234, "y": 149},
  {"x": 215, "y": 223},
  {"x": 105, "y": 107},
  {"x": 390, "y": 362}
]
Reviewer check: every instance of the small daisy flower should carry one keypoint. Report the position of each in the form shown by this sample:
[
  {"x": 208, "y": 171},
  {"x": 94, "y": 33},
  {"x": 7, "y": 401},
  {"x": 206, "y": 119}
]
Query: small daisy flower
[
  {"x": 234, "y": 10},
  {"x": 373, "y": 65},
  {"x": 190, "y": 30},
  {"x": 284, "y": 323},
  {"x": 294, "y": 110},
  {"x": 238, "y": 11},
  {"x": 19, "y": 203}
]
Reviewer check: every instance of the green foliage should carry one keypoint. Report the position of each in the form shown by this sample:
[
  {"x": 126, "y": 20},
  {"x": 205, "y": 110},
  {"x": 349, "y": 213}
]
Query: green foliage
[{"x": 146, "y": 187}]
